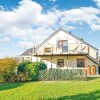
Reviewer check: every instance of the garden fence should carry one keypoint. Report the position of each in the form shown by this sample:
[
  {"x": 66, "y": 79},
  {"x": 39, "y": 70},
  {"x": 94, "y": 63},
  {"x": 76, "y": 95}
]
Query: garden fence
[{"x": 62, "y": 74}]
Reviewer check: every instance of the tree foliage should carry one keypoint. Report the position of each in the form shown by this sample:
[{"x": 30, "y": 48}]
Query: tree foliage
[
  {"x": 30, "y": 70},
  {"x": 7, "y": 68},
  {"x": 22, "y": 66},
  {"x": 42, "y": 66}
]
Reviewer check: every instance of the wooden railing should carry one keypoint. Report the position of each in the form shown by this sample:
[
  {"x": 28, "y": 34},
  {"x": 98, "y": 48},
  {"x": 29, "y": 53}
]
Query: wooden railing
[{"x": 73, "y": 48}]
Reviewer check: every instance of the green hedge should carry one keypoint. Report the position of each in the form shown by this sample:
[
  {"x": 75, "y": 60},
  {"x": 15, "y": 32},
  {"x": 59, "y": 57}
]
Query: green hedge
[
  {"x": 42, "y": 66},
  {"x": 32, "y": 71},
  {"x": 22, "y": 66},
  {"x": 62, "y": 74},
  {"x": 28, "y": 71}
]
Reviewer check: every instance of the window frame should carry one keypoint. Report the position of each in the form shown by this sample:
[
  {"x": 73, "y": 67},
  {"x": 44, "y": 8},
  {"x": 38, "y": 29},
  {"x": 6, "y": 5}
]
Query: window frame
[
  {"x": 61, "y": 45},
  {"x": 83, "y": 61},
  {"x": 58, "y": 63}
]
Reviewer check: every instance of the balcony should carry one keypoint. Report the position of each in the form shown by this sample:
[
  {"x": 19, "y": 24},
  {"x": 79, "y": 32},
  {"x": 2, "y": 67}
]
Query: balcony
[{"x": 70, "y": 49}]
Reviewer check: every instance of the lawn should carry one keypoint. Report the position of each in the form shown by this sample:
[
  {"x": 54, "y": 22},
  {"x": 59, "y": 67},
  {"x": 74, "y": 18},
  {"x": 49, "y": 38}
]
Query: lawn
[{"x": 51, "y": 90}]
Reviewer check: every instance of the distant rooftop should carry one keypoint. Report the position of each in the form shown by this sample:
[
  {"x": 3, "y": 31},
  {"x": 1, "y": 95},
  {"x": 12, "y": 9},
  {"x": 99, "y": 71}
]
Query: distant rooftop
[{"x": 27, "y": 52}]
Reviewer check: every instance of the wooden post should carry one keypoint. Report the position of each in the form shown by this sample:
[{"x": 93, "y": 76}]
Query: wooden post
[
  {"x": 85, "y": 67},
  {"x": 37, "y": 58},
  {"x": 97, "y": 53},
  {"x": 30, "y": 56},
  {"x": 51, "y": 61},
  {"x": 34, "y": 50},
  {"x": 67, "y": 62},
  {"x": 81, "y": 48}
]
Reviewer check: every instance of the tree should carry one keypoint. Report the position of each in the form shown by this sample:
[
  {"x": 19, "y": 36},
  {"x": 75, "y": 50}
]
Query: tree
[{"x": 7, "y": 68}]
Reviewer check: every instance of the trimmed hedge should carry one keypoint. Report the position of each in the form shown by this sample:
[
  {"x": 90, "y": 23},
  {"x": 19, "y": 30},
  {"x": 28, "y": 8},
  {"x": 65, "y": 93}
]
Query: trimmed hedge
[{"x": 62, "y": 74}]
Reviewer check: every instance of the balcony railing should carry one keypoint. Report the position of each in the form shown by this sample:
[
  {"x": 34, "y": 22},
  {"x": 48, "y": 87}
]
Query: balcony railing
[{"x": 71, "y": 48}]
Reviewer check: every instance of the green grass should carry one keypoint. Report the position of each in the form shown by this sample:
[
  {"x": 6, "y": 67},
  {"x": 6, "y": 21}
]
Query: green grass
[{"x": 51, "y": 90}]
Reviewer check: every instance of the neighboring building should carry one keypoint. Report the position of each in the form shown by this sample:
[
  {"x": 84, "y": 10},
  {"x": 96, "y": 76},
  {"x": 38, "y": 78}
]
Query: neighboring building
[
  {"x": 64, "y": 50},
  {"x": 27, "y": 55}
]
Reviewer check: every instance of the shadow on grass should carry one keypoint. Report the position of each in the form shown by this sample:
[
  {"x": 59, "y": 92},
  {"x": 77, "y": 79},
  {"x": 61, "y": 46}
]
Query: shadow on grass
[
  {"x": 7, "y": 86},
  {"x": 89, "y": 96},
  {"x": 92, "y": 78}
]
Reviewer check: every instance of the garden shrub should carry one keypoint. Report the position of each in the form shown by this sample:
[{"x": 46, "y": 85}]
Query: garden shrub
[
  {"x": 20, "y": 77},
  {"x": 32, "y": 70},
  {"x": 1, "y": 77},
  {"x": 22, "y": 66},
  {"x": 42, "y": 66},
  {"x": 7, "y": 68}
]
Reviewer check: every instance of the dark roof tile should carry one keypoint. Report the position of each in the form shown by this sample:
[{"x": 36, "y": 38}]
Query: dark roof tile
[{"x": 27, "y": 52}]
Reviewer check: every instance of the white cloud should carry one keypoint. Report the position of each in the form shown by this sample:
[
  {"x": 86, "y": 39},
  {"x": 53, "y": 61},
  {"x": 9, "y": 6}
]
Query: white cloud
[
  {"x": 29, "y": 14},
  {"x": 95, "y": 27},
  {"x": 30, "y": 24},
  {"x": 1, "y": 48},
  {"x": 97, "y": 2},
  {"x": 25, "y": 44},
  {"x": 4, "y": 39},
  {"x": 88, "y": 15}
]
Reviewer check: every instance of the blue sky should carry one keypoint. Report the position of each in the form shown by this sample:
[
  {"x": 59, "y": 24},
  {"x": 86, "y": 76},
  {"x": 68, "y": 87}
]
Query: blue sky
[{"x": 25, "y": 23}]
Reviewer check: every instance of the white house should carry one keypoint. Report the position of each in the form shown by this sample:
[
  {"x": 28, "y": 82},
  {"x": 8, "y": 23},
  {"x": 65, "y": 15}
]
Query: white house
[{"x": 64, "y": 50}]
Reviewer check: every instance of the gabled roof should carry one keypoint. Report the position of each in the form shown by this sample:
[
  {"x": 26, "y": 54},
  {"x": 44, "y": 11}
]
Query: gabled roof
[
  {"x": 27, "y": 52},
  {"x": 60, "y": 29}
]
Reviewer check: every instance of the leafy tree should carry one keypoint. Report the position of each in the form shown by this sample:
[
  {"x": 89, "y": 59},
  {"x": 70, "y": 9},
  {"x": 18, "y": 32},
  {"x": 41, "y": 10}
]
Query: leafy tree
[{"x": 7, "y": 68}]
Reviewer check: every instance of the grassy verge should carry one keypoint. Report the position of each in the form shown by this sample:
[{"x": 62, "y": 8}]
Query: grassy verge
[{"x": 52, "y": 90}]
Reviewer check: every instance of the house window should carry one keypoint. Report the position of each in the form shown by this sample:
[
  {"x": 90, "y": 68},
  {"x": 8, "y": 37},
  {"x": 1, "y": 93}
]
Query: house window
[
  {"x": 63, "y": 44},
  {"x": 59, "y": 44},
  {"x": 80, "y": 62},
  {"x": 60, "y": 62}
]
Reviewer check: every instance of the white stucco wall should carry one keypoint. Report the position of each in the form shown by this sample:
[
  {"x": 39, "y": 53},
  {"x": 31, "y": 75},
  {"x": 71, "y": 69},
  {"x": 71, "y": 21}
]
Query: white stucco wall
[
  {"x": 72, "y": 44},
  {"x": 25, "y": 58},
  {"x": 69, "y": 62}
]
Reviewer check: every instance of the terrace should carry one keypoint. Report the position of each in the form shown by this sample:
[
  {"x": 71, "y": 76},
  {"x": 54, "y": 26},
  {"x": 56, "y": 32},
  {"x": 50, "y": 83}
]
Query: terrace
[{"x": 69, "y": 49}]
